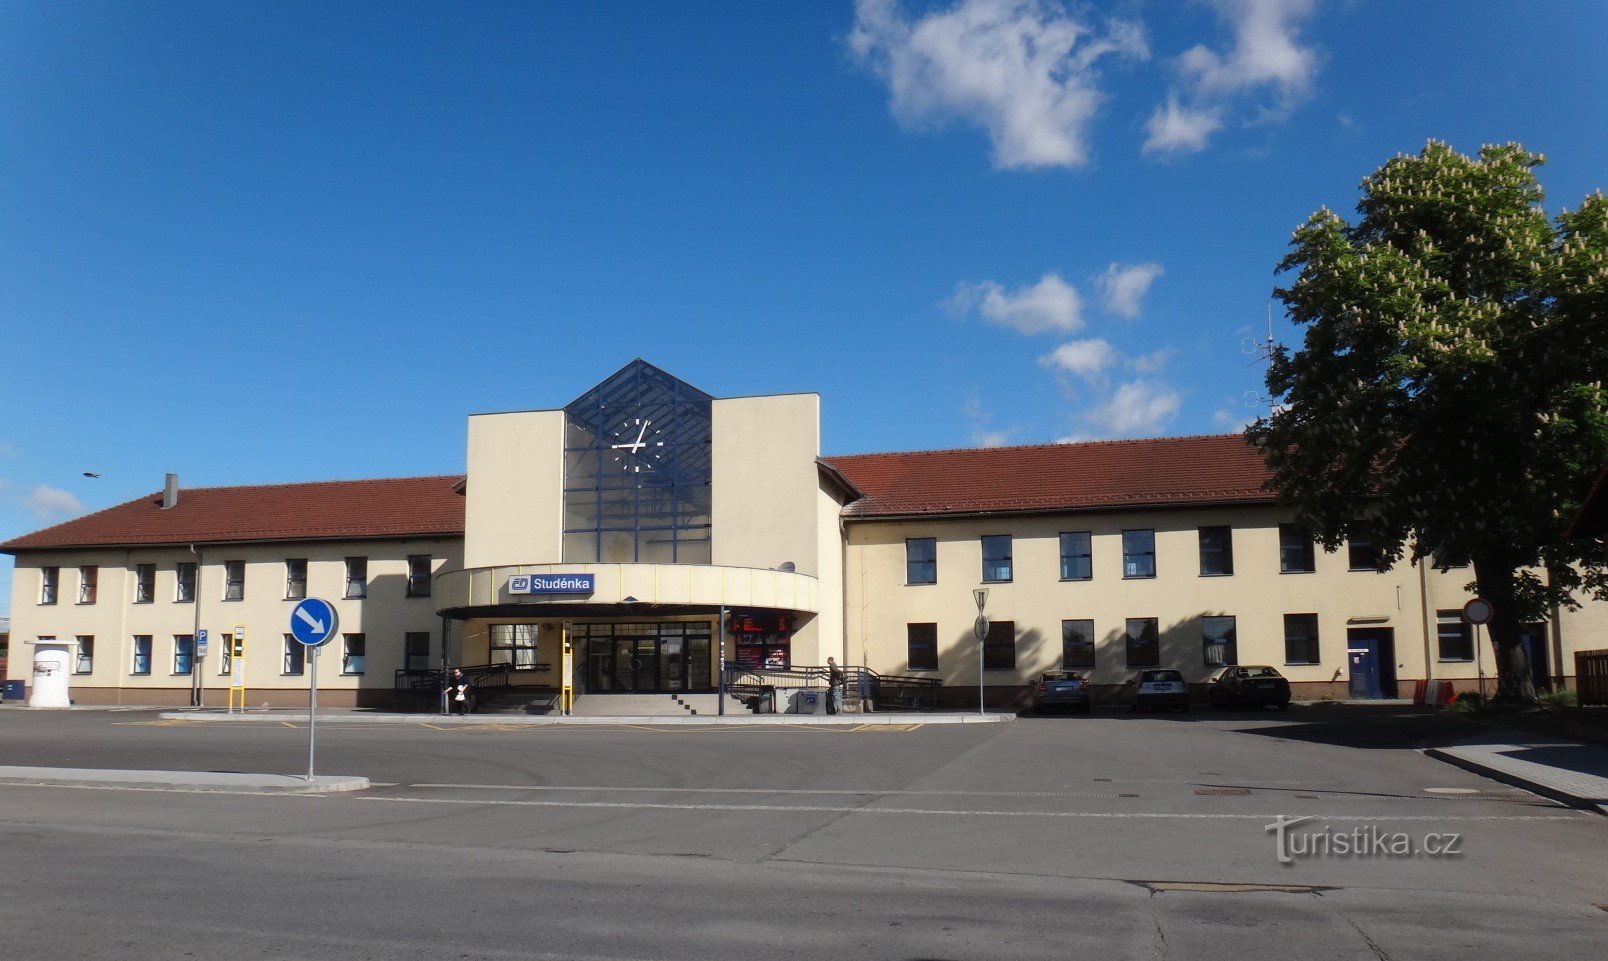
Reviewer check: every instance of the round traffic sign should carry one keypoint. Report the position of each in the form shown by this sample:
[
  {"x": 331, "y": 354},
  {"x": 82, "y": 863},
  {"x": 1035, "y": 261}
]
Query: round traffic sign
[
  {"x": 980, "y": 628},
  {"x": 313, "y": 621},
  {"x": 1479, "y": 611}
]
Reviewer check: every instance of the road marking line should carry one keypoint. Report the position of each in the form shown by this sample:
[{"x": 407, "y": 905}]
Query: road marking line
[
  {"x": 825, "y": 809},
  {"x": 840, "y": 792},
  {"x": 1451, "y": 790}
]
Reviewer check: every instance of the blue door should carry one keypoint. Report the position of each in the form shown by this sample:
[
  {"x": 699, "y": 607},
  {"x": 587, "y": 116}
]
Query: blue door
[{"x": 1362, "y": 653}]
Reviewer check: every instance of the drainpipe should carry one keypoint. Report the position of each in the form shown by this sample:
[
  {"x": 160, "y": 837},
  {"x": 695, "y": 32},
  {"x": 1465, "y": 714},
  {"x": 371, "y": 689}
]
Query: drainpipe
[
  {"x": 1423, "y": 615},
  {"x": 197, "y": 681},
  {"x": 444, "y": 628}
]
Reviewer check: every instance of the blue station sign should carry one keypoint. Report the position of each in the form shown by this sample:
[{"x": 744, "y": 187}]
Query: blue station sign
[{"x": 552, "y": 584}]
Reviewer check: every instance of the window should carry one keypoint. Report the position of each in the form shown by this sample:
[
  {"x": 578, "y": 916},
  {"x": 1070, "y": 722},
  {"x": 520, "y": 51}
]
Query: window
[
  {"x": 1216, "y": 551},
  {"x": 295, "y": 656},
  {"x": 86, "y": 655},
  {"x": 144, "y": 583},
  {"x": 49, "y": 578},
  {"x": 352, "y": 653},
  {"x": 416, "y": 648},
  {"x": 1077, "y": 644},
  {"x": 356, "y": 577},
  {"x": 1077, "y": 559},
  {"x": 921, "y": 560},
  {"x": 999, "y": 648},
  {"x": 1218, "y": 643},
  {"x": 226, "y": 652},
  {"x": 1456, "y": 636},
  {"x": 1364, "y": 556},
  {"x": 183, "y": 653},
  {"x": 142, "y": 655},
  {"x": 1144, "y": 642},
  {"x": 1300, "y": 638},
  {"x": 184, "y": 587},
  {"x": 234, "y": 580},
  {"x": 923, "y": 646},
  {"x": 418, "y": 575},
  {"x": 514, "y": 644},
  {"x": 996, "y": 557},
  {"x": 1295, "y": 550},
  {"x": 88, "y": 580},
  {"x": 1442, "y": 561},
  {"x": 1138, "y": 553},
  {"x": 295, "y": 579}
]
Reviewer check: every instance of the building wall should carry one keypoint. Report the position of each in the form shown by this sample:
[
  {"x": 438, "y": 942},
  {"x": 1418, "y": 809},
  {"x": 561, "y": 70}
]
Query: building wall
[
  {"x": 383, "y": 617},
  {"x": 880, "y": 604},
  {"x": 514, "y": 502}
]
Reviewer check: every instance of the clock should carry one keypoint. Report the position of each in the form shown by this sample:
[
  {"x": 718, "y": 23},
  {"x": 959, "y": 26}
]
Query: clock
[{"x": 638, "y": 446}]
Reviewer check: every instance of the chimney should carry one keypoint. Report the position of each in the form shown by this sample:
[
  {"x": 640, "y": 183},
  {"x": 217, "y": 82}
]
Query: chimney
[{"x": 170, "y": 492}]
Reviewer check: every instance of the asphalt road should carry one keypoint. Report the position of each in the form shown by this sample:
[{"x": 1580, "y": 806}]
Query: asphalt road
[{"x": 1113, "y": 836}]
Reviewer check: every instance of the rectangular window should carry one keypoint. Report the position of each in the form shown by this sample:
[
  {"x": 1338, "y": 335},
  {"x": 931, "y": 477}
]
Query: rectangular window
[
  {"x": 1218, "y": 643},
  {"x": 85, "y": 663},
  {"x": 922, "y": 646},
  {"x": 356, "y": 577},
  {"x": 514, "y": 644},
  {"x": 999, "y": 649},
  {"x": 142, "y": 655},
  {"x": 1295, "y": 550},
  {"x": 49, "y": 579},
  {"x": 184, "y": 587},
  {"x": 183, "y": 653},
  {"x": 88, "y": 581},
  {"x": 226, "y": 652},
  {"x": 1144, "y": 642},
  {"x": 1216, "y": 551},
  {"x": 1139, "y": 553},
  {"x": 1300, "y": 638},
  {"x": 234, "y": 580},
  {"x": 1363, "y": 556},
  {"x": 1456, "y": 636},
  {"x": 295, "y": 578},
  {"x": 418, "y": 575},
  {"x": 1077, "y": 644},
  {"x": 1077, "y": 557},
  {"x": 921, "y": 560},
  {"x": 295, "y": 656},
  {"x": 352, "y": 653},
  {"x": 1441, "y": 561},
  {"x": 144, "y": 583},
  {"x": 996, "y": 557},
  {"x": 416, "y": 648}
]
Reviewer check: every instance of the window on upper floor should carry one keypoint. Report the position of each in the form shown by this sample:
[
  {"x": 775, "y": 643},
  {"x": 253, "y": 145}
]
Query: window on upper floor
[
  {"x": 49, "y": 581},
  {"x": 1218, "y": 641},
  {"x": 921, "y": 647},
  {"x": 1139, "y": 553},
  {"x": 1077, "y": 556},
  {"x": 184, "y": 582},
  {"x": 418, "y": 575},
  {"x": 921, "y": 560},
  {"x": 234, "y": 580},
  {"x": 356, "y": 577},
  {"x": 144, "y": 583},
  {"x": 1144, "y": 642},
  {"x": 88, "y": 583},
  {"x": 996, "y": 558},
  {"x": 1077, "y": 645},
  {"x": 1296, "y": 555},
  {"x": 295, "y": 578},
  {"x": 1362, "y": 555},
  {"x": 1216, "y": 551}
]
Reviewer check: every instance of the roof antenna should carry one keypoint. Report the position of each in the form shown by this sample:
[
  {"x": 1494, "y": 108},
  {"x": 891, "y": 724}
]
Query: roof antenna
[{"x": 1257, "y": 400}]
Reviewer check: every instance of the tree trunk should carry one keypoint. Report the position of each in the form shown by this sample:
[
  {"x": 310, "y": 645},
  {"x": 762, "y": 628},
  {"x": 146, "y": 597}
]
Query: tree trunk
[{"x": 1494, "y": 577}]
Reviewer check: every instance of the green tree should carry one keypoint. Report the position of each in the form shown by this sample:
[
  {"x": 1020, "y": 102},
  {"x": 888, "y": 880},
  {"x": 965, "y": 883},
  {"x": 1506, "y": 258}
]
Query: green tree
[{"x": 1448, "y": 399}]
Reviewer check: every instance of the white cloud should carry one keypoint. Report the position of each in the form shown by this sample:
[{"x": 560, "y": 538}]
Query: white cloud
[
  {"x": 1123, "y": 287},
  {"x": 1050, "y": 304},
  {"x": 1153, "y": 362},
  {"x": 1266, "y": 54},
  {"x": 49, "y": 503},
  {"x": 1174, "y": 128},
  {"x": 1138, "y": 408},
  {"x": 1024, "y": 70},
  {"x": 982, "y": 433},
  {"x": 1085, "y": 358},
  {"x": 1232, "y": 420}
]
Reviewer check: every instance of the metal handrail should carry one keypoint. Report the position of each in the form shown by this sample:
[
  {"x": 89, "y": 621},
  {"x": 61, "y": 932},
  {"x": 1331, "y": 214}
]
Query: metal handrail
[
  {"x": 886, "y": 690},
  {"x": 428, "y": 681}
]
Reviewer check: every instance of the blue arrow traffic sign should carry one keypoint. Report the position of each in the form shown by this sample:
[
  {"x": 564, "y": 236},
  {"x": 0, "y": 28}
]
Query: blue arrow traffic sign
[{"x": 313, "y": 621}]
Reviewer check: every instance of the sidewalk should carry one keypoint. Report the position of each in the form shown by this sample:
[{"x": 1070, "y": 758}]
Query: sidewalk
[
  {"x": 227, "y": 781},
  {"x": 349, "y": 716},
  {"x": 1573, "y": 773}
]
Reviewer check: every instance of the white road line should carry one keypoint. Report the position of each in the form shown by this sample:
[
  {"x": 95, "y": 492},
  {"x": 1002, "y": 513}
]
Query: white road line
[
  {"x": 838, "y": 792},
  {"x": 824, "y": 809}
]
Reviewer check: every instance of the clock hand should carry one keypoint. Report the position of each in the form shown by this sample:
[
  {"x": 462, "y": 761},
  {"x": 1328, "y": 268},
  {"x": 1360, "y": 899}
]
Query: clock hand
[{"x": 640, "y": 433}]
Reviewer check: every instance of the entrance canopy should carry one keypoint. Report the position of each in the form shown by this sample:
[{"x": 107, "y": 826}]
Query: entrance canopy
[{"x": 601, "y": 590}]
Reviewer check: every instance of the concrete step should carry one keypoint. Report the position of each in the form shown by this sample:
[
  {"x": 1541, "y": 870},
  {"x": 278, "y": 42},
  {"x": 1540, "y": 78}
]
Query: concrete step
[{"x": 629, "y": 705}]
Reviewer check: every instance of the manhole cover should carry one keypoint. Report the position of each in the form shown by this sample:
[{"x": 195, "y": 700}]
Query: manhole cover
[{"x": 1222, "y": 792}]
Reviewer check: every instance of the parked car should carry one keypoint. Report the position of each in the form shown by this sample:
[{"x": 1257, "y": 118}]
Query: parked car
[
  {"x": 1166, "y": 689},
  {"x": 1061, "y": 689},
  {"x": 1249, "y": 685}
]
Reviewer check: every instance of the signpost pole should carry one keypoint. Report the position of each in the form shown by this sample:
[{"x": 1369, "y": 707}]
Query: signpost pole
[
  {"x": 312, "y": 714},
  {"x": 980, "y": 595},
  {"x": 722, "y": 698},
  {"x": 312, "y": 623}
]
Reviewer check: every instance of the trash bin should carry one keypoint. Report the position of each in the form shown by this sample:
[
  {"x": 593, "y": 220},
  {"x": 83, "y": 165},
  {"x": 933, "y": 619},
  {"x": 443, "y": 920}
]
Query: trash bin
[{"x": 766, "y": 702}]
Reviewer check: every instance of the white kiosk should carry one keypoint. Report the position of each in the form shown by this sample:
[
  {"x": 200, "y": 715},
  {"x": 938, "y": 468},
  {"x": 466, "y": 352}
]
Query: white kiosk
[{"x": 52, "y": 665}]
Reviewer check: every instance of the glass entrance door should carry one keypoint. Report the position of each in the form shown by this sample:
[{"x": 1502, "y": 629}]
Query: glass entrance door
[{"x": 649, "y": 658}]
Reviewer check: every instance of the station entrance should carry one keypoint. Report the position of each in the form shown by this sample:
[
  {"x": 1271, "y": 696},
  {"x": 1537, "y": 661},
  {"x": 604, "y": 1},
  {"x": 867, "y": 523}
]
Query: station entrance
[{"x": 647, "y": 657}]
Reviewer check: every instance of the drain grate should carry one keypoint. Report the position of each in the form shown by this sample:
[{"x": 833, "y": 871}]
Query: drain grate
[{"x": 1222, "y": 792}]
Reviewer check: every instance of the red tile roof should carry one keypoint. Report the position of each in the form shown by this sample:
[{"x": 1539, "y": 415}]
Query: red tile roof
[
  {"x": 1158, "y": 472},
  {"x": 326, "y": 510}
]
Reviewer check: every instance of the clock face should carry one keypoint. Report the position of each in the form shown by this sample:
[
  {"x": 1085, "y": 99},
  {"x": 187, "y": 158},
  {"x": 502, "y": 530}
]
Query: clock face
[{"x": 637, "y": 446}]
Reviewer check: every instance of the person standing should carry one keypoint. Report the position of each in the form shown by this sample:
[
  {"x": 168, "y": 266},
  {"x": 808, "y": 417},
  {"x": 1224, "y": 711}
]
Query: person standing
[
  {"x": 834, "y": 687},
  {"x": 458, "y": 691}
]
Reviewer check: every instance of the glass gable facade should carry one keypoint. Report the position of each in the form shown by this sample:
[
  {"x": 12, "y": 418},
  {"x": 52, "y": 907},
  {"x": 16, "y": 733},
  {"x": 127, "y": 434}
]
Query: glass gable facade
[{"x": 637, "y": 471}]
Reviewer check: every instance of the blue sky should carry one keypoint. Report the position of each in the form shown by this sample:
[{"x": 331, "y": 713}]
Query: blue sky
[{"x": 253, "y": 243}]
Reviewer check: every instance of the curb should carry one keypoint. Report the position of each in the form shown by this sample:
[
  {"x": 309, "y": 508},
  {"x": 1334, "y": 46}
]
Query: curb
[
  {"x": 190, "y": 781},
  {"x": 1517, "y": 780},
  {"x": 473, "y": 720}
]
